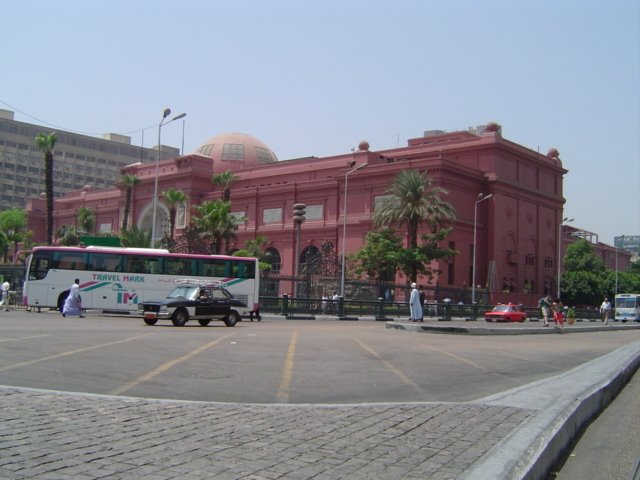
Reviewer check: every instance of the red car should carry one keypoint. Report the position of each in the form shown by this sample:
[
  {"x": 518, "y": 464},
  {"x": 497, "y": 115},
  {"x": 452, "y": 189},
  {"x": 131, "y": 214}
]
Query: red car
[{"x": 506, "y": 313}]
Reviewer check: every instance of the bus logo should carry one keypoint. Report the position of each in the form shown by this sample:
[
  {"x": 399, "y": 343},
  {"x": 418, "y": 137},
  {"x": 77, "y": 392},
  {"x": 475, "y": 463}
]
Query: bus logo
[{"x": 124, "y": 297}]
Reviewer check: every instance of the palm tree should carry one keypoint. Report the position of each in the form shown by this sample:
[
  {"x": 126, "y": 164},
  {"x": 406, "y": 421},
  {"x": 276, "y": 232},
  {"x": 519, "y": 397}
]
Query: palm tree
[
  {"x": 13, "y": 227},
  {"x": 225, "y": 180},
  {"x": 129, "y": 181},
  {"x": 86, "y": 219},
  {"x": 413, "y": 200},
  {"x": 135, "y": 238},
  {"x": 45, "y": 143},
  {"x": 173, "y": 197},
  {"x": 215, "y": 221}
]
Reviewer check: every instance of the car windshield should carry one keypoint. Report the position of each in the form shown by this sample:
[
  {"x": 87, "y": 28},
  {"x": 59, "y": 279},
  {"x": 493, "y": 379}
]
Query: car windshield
[
  {"x": 501, "y": 308},
  {"x": 184, "y": 291}
]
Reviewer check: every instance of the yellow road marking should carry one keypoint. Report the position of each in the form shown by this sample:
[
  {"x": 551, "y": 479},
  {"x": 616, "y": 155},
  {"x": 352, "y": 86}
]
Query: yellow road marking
[
  {"x": 71, "y": 352},
  {"x": 390, "y": 366},
  {"x": 162, "y": 368},
  {"x": 473, "y": 364},
  {"x": 287, "y": 372}
]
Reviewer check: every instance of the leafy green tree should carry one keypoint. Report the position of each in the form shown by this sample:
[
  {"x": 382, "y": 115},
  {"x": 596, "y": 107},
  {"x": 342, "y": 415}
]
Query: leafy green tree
[
  {"x": 428, "y": 251},
  {"x": 86, "y": 219},
  {"x": 69, "y": 237},
  {"x": 225, "y": 180},
  {"x": 255, "y": 248},
  {"x": 581, "y": 256},
  {"x": 215, "y": 222},
  {"x": 380, "y": 256},
  {"x": 129, "y": 182},
  {"x": 13, "y": 223},
  {"x": 173, "y": 197},
  {"x": 46, "y": 143},
  {"x": 581, "y": 288},
  {"x": 135, "y": 238},
  {"x": 413, "y": 200},
  {"x": 4, "y": 245},
  {"x": 583, "y": 278}
]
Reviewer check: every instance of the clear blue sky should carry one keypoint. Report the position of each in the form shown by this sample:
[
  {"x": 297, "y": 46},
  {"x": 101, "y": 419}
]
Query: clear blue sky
[{"x": 317, "y": 77}]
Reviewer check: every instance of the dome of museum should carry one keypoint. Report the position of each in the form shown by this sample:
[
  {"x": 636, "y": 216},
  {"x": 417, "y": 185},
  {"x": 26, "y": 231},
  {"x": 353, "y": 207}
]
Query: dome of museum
[{"x": 235, "y": 151}]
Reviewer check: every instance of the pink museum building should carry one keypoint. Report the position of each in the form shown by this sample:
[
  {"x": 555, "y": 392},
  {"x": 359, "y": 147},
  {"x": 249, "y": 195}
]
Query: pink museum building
[{"x": 517, "y": 227}]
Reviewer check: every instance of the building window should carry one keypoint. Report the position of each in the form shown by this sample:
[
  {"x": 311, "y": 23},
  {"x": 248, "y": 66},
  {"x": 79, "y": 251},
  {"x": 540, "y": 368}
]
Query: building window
[
  {"x": 273, "y": 257},
  {"x": 206, "y": 149},
  {"x": 272, "y": 215},
  {"x": 529, "y": 259},
  {"x": 548, "y": 262},
  {"x": 264, "y": 155},
  {"x": 238, "y": 218},
  {"x": 314, "y": 212},
  {"x": 232, "y": 151}
]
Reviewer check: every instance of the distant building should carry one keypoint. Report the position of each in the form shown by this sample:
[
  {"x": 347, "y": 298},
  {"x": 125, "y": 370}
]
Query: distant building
[
  {"x": 517, "y": 228},
  {"x": 79, "y": 160}
]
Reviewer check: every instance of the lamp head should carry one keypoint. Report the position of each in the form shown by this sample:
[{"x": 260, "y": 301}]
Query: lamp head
[
  {"x": 178, "y": 117},
  {"x": 166, "y": 113}
]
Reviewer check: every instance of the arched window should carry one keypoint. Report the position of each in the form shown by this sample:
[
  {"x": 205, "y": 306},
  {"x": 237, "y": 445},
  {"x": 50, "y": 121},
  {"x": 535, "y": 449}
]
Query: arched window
[
  {"x": 309, "y": 256},
  {"x": 273, "y": 257}
]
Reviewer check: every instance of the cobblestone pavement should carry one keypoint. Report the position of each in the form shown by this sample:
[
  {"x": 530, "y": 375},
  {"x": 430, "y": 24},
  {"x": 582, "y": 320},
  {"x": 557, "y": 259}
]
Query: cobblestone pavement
[{"x": 52, "y": 435}]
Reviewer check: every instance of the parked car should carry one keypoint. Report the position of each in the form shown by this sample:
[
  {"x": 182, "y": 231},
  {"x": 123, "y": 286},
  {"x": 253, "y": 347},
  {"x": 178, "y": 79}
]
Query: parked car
[
  {"x": 191, "y": 300},
  {"x": 506, "y": 313}
]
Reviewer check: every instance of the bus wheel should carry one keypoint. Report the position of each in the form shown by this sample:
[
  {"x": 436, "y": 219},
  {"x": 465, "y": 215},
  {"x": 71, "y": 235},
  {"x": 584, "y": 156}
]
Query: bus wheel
[
  {"x": 61, "y": 299},
  {"x": 180, "y": 317},
  {"x": 204, "y": 322},
  {"x": 231, "y": 319},
  {"x": 150, "y": 321}
]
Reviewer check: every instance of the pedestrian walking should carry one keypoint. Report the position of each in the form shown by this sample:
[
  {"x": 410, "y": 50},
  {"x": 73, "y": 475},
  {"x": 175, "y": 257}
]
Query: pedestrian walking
[
  {"x": 558, "y": 313},
  {"x": 544, "y": 304},
  {"x": 422, "y": 296},
  {"x": 73, "y": 303},
  {"x": 605, "y": 311},
  {"x": 415, "y": 307},
  {"x": 6, "y": 287}
]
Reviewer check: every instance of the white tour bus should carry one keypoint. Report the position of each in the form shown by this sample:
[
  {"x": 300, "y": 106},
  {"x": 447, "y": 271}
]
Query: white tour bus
[
  {"x": 627, "y": 306},
  {"x": 117, "y": 279}
]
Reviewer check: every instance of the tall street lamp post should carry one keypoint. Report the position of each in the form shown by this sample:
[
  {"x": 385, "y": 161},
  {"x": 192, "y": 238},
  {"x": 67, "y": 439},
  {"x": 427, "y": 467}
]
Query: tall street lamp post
[
  {"x": 564, "y": 220},
  {"x": 481, "y": 198},
  {"x": 165, "y": 114},
  {"x": 344, "y": 225}
]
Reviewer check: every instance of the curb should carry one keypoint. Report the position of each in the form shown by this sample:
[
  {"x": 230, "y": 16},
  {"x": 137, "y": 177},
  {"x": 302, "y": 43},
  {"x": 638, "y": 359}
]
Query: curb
[{"x": 566, "y": 404}]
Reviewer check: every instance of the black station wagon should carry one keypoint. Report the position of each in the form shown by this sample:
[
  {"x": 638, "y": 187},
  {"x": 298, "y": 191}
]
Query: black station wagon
[{"x": 194, "y": 301}]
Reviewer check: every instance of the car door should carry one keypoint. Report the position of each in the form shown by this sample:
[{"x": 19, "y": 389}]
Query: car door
[
  {"x": 204, "y": 304},
  {"x": 220, "y": 306}
]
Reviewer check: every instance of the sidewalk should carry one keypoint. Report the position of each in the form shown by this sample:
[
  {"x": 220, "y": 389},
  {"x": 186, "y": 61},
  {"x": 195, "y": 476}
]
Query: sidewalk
[{"x": 516, "y": 434}]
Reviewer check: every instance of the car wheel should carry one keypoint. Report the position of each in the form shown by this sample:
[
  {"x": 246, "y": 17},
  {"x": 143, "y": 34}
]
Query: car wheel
[
  {"x": 180, "y": 317},
  {"x": 150, "y": 321},
  {"x": 204, "y": 322},
  {"x": 231, "y": 319}
]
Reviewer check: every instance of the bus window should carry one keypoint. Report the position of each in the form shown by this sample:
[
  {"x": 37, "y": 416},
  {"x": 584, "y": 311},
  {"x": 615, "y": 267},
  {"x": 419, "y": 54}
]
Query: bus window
[
  {"x": 134, "y": 263},
  {"x": 152, "y": 265},
  {"x": 178, "y": 266},
  {"x": 211, "y": 268},
  {"x": 39, "y": 266},
  {"x": 104, "y": 262},
  {"x": 69, "y": 260}
]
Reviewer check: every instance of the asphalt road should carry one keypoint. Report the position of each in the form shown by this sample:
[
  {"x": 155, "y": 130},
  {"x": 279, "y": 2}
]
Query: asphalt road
[
  {"x": 609, "y": 448},
  {"x": 279, "y": 361}
]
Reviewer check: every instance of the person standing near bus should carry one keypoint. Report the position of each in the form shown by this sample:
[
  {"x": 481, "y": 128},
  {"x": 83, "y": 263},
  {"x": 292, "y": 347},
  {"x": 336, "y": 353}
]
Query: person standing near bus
[
  {"x": 73, "y": 303},
  {"x": 6, "y": 286},
  {"x": 605, "y": 311}
]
